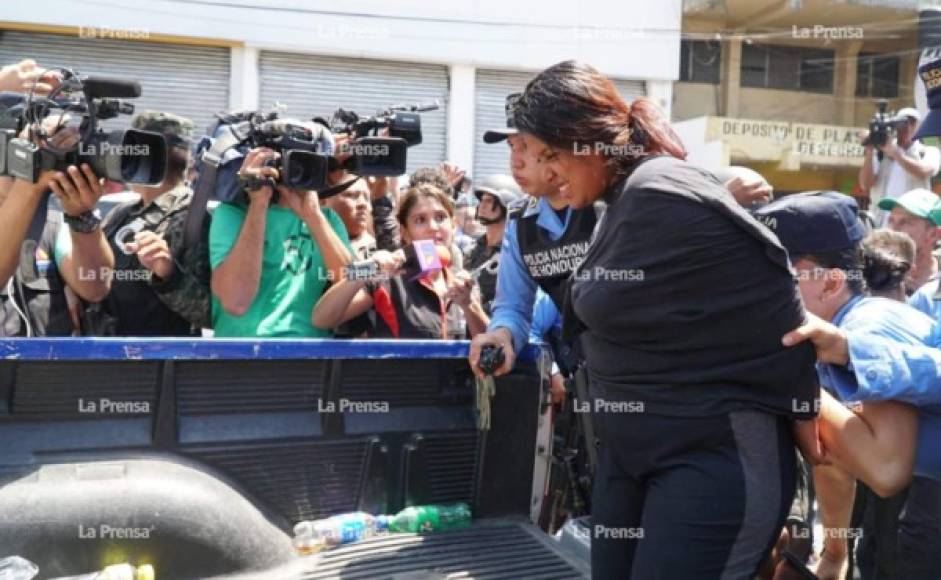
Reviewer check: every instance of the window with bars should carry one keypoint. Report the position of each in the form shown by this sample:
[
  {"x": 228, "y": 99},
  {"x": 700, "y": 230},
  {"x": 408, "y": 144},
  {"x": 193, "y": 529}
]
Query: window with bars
[
  {"x": 700, "y": 60},
  {"x": 877, "y": 76}
]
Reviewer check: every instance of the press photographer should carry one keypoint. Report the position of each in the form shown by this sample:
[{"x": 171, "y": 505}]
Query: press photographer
[
  {"x": 160, "y": 285},
  {"x": 894, "y": 161},
  {"x": 39, "y": 267},
  {"x": 272, "y": 258},
  {"x": 42, "y": 150}
]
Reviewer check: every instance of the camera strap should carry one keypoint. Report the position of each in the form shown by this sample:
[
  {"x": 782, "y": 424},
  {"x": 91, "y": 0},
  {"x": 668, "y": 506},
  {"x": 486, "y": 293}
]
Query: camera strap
[
  {"x": 38, "y": 221},
  {"x": 337, "y": 189},
  {"x": 211, "y": 161}
]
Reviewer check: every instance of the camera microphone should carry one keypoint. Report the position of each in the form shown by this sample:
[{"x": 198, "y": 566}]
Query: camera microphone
[{"x": 97, "y": 87}]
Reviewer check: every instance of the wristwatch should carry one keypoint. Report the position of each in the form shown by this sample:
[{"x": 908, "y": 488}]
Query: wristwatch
[{"x": 84, "y": 223}]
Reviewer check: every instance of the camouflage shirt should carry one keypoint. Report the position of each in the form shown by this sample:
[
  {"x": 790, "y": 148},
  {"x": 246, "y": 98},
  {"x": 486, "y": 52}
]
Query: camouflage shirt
[{"x": 185, "y": 293}]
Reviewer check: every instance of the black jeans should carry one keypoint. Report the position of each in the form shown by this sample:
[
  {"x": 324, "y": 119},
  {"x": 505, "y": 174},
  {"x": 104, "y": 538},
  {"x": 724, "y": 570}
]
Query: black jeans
[
  {"x": 919, "y": 536},
  {"x": 689, "y": 497}
]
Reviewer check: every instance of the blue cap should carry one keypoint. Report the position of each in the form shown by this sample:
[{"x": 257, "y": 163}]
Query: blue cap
[
  {"x": 814, "y": 222},
  {"x": 930, "y": 74}
]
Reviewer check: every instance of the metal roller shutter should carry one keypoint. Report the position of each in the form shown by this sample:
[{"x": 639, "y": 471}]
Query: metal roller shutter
[
  {"x": 192, "y": 81},
  {"x": 492, "y": 87},
  {"x": 316, "y": 86}
]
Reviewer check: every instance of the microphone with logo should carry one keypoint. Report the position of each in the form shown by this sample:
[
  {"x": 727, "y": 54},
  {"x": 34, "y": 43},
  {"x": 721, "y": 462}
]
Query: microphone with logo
[{"x": 422, "y": 257}]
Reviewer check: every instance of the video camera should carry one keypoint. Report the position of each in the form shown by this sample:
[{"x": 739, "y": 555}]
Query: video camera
[
  {"x": 303, "y": 149},
  {"x": 881, "y": 127},
  {"x": 373, "y": 155},
  {"x": 130, "y": 156}
]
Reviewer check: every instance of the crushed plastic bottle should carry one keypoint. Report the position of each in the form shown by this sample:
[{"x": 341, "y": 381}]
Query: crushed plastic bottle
[
  {"x": 117, "y": 572},
  {"x": 335, "y": 530},
  {"x": 431, "y": 518},
  {"x": 17, "y": 568},
  {"x": 308, "y": 545}
]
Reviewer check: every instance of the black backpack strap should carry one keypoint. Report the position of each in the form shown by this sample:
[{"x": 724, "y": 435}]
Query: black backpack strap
[
  {"x": 210, "y": 162},
  {"x": 38, "y": 223}
]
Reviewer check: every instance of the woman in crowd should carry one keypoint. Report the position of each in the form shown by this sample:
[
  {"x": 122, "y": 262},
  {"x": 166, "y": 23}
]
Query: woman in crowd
[
  {"x": 436, "y": 305},
  {"x": 694, "y": 401}
]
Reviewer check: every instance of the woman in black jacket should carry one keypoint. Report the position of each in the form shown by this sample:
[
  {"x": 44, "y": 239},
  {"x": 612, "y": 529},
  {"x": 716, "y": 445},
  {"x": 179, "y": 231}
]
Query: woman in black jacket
[{"x": 679, "y": 307}]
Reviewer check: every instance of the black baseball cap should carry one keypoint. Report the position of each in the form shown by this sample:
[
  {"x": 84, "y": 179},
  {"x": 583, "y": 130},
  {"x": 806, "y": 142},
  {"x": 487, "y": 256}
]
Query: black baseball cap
[
  {"x": 930, "y": 74},
  {"x": 814, "y": 222},
  {"x": 497, "y": 135}
]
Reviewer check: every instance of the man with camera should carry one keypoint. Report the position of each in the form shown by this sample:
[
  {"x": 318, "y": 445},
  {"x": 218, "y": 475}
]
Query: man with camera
[
  {"x": 158, "y": 287},
  {"x": 272, "y": 259},
  {"x": 39, "y": 261},
  {"x": 894, "y": 162}
]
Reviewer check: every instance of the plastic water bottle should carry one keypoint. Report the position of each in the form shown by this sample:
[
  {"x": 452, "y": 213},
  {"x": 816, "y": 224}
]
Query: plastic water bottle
[
  {"x": 17, "y": 568},
  {"x": 336, "y": 530},
  {"x": 431, "y": 518},
  {"x": 308, "y": 545},
  {"x": 118, "y": 572}
]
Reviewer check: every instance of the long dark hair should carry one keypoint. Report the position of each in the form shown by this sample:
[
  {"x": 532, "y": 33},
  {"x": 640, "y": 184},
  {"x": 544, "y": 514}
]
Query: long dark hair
[{"x": 571, "y": 104}]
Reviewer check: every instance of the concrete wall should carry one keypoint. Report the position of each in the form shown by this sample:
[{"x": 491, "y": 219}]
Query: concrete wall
[
  {"x": 634, "y": 39},
  {"x": 521, "y": 35}
]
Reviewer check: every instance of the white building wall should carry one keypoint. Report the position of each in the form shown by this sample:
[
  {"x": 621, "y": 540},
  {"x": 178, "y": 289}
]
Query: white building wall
[{"x": 631, "y": 39}]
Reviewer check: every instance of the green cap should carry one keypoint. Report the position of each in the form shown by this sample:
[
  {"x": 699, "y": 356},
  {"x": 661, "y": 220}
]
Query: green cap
[
  {"x": 178, "y": 130},
  {"x": 919, "y": 202}
]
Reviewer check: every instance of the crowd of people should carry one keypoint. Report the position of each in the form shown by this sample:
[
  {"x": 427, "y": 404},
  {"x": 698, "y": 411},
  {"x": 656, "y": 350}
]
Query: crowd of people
[{"x": 692, "y": 295}]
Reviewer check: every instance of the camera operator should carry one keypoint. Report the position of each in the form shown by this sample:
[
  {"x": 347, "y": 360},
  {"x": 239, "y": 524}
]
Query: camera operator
[
  {"x": 271, "y": 262},
  {"x": 36, "y": 272},
  {"x": 158, "y": 288},
  {"x": 906, "y": 163}
]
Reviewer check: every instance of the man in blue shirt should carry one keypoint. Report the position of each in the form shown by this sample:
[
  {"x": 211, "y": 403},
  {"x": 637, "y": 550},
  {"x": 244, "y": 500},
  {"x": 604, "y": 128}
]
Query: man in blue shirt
[
  {"x": 546, "y": 326},
  {"x": 927, "y": 299},
  {"x": 822, "y": 234}
]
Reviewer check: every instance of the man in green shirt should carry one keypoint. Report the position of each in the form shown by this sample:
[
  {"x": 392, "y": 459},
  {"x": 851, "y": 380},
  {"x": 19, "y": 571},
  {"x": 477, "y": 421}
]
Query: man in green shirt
[{"x": 272, "y": 262}]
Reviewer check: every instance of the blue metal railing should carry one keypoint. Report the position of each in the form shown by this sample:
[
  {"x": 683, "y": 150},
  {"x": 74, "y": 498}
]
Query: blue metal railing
[{"x": 149, "y": 348}]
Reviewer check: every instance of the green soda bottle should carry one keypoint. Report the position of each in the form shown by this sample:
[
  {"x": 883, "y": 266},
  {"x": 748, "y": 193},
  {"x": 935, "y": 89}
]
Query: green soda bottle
[{"x": 431, "y": 518}]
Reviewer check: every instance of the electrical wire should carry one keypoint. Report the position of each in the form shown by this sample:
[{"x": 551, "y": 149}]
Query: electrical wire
[{"x": 16, "y": 307}]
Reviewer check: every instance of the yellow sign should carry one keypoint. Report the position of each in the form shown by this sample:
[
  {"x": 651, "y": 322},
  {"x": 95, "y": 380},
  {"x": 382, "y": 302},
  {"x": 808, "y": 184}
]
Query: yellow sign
[{"x": 790, "y": 144}]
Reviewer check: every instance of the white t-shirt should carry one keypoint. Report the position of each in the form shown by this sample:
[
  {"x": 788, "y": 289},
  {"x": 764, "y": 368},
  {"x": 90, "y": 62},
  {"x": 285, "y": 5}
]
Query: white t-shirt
[{"x": 897, "y": 181}]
